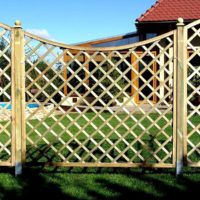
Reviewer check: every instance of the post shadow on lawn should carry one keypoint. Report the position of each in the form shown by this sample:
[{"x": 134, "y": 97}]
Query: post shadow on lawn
[
  {"x": 34, "y": 185},
  {"x": 162, "y": 189}
]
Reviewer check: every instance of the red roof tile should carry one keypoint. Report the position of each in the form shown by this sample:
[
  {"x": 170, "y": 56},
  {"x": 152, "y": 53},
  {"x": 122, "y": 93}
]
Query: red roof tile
[{"x": 171, "y": 10}]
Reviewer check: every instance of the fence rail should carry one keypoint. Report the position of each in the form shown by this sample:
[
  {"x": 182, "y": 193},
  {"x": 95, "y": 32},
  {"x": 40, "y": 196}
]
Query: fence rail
[{"x": 128, "y": 106}]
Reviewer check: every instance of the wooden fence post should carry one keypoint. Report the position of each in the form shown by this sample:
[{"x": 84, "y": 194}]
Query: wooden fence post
[
  {"x": 18, "y": 94},
  {"x": 181, "y": 94}
]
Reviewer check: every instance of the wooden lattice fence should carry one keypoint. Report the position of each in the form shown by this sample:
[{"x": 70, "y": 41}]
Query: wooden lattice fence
[{"x": 127, "y": 106}]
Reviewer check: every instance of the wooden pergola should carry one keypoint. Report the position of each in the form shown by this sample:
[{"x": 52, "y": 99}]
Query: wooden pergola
[{"x": 134, "y": 76}]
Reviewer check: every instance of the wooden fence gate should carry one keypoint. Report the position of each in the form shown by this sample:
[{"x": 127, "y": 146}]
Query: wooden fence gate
[{"x": 127, "y": 106}]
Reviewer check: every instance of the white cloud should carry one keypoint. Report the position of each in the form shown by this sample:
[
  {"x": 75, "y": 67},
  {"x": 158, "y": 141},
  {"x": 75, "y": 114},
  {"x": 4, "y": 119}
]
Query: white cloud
[{"x": 41, "y": 33}]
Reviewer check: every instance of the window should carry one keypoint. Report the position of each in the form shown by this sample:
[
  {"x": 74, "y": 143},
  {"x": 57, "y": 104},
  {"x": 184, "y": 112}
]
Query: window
[{"x": 150, "y": 35}]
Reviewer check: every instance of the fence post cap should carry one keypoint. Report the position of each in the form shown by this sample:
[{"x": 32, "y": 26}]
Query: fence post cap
[
  {"x": 18, "y": 23},
  {"x": 180, "y": 21}
]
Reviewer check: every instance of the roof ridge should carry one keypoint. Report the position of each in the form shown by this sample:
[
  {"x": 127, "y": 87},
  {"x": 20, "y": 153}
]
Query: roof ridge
[
  {"x": 157, "y": 3},
  {"x": 170, "y": 10}
]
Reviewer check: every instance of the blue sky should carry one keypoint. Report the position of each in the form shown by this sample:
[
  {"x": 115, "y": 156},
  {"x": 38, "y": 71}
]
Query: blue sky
[{"x": 73, "y": 21}]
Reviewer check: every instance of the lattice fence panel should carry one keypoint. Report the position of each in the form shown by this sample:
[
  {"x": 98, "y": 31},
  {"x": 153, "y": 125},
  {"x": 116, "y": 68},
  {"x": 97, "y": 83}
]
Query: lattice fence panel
[
  {"x": 193, "y": 100},
  {"x": 5, "y": 95},
  {"x": 100, "y": 107}
]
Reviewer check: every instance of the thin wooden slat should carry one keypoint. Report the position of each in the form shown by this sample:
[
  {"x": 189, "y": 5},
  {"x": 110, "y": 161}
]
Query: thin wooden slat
[
  {"x": 108, "y": 165},
  {"x": 5, "y": 26},
  {"x": 134, "y": 77},
  {"x": 80, "y": 48},
  {"x": 86, "y": 65},
  {"x": 192, "y": 164},
  {"x": 65, "y": 77},
  {"x": 6, "y": 164}
]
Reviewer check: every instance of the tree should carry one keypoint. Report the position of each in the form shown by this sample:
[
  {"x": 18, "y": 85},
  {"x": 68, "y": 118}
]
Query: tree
[
  {"x": 195, "y": 80},
  {"x": 106, "y": 82},
  {"x": 34, "y": 73},
  {"x": 5, "y": 57}
]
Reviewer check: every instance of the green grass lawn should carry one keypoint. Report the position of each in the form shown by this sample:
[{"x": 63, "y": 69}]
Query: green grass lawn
[
  {"x": 97, "y": 123},
  {"x": 98, "y": 131},
  {"x": 149, "y": 141},
  {"x": 97, "y": 183},
  {"x": 104, "y": 184}
]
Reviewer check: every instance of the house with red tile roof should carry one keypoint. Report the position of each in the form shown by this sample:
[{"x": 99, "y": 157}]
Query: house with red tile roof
[
  {"x": 160, "y": 18},
  {"x": 170, "y": 10}
]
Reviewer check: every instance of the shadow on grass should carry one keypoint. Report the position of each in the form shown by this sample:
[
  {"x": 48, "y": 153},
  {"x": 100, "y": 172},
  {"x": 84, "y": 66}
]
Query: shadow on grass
[
  {"x": 101, "y": 185},
  {"x": 151, "y": 187},
  {"x": 30, "y": 185}
]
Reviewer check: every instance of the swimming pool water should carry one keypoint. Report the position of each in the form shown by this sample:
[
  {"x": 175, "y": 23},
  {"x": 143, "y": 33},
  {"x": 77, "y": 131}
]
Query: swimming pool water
[
  {"x": 8, "y": 106},
  {"x": 33, "y": 105}
]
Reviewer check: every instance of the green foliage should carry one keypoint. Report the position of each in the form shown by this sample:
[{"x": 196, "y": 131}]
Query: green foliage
[
  {"x": 50, "y": 73},
  {"x": 73, "y": 82},
  {"x": 194, "y": 80},
  {"x": 33, "y": 74},
  {"x": 112, "y": 75},
  {"x": 4, "y": 63}
]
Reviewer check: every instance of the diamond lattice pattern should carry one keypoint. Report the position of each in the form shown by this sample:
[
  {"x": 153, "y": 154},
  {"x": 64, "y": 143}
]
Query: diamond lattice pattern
[
  {"x": 93, "y": 106},
  {"x": 5, "y": 96},
  {"x": 193, "y": 99}
]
